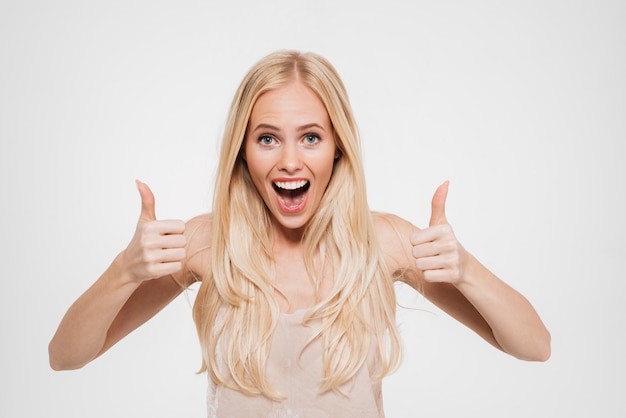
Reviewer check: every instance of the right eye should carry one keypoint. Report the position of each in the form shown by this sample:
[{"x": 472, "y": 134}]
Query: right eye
[{"x": 266, "y": 140}]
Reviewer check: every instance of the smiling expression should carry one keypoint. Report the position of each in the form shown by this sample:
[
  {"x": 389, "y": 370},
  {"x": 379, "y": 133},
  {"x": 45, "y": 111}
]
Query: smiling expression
[{"x": 290, "y": 151}]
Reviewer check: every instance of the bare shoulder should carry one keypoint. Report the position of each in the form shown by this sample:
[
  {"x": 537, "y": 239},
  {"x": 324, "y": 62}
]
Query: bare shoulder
[
  {"x": 199, "y": 227},
  {"x": 394, "y": 236},
  {"x": 198, "y": 235}
]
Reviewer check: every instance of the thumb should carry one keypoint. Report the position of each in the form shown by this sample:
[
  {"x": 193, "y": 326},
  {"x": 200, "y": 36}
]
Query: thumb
[
  {"x": 147, "y": 202},
  {"x": 438, "y": 214}
]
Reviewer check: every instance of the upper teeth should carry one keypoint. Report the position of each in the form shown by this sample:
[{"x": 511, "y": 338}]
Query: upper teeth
[{"x": 290, "y": 185}]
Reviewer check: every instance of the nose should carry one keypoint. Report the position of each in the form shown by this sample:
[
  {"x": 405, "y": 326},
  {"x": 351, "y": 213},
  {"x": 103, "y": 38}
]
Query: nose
[{"x": 290, "y": 160}]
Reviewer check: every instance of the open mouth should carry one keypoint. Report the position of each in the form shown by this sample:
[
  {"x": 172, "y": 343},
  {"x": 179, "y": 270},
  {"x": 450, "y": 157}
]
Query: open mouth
[{"x": 291, "y": 194}]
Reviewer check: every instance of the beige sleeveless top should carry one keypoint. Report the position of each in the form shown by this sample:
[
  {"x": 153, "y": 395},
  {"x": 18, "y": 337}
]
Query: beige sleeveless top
[{"x": 298, "y": 378}]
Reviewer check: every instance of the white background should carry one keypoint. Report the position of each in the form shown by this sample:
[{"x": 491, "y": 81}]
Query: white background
[{"x": 521, "y": 104}]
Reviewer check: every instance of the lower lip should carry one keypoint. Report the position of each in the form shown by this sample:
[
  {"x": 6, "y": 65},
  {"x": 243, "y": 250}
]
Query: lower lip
[{"x": 292, "y": 209}]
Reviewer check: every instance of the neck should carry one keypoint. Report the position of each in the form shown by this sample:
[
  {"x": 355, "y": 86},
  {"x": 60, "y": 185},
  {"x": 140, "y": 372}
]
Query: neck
[{"x": 285, "y": 238}]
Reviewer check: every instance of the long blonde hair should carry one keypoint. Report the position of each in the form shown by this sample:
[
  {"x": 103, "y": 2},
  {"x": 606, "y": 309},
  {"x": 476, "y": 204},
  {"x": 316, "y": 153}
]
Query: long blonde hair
[{"x": 236, "y": 309}]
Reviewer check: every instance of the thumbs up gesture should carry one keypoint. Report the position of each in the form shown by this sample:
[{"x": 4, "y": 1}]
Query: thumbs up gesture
[
  {"x": 158, "y": 247},
  {"x": 436, "y": 250}
]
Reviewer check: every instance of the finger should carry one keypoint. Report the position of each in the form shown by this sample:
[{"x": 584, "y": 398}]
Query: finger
[
  {"x": 147, "y": 202},
  {"x": 157, "y": 235},
  {"x": 163, "y": 269},
  {"x": 437, "y": 275},
  {"x": 432, "y": 233},
  {"x": 433, "y": 248},
  {"x": 170, "y": 255},
  {"x": 165, "y": 227},
  {"x": 438, "y": 205},
  {"x": 428, "y": 249},
  {"x": 429, "y": 263},
  {"x": 172, "y": 241}
]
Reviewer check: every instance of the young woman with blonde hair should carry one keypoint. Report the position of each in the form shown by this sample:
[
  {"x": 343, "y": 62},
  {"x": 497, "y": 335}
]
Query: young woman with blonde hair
[{"x": 296, "y": 310}]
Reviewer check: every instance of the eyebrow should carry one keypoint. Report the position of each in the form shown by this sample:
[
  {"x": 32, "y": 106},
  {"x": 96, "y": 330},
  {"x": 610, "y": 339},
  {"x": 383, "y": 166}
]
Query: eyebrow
[{"x": 306, "y": 127}]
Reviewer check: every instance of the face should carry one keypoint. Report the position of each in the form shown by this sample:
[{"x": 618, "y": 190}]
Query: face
[{"x": 290, "y": 151}]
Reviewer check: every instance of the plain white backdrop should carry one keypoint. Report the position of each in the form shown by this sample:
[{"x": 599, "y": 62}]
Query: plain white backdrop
[{"x": 520, "y": 104}]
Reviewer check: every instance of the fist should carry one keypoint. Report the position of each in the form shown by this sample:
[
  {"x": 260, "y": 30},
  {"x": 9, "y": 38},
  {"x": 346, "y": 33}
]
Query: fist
[
  {"x": 436, "y": 250},
  {"x": 158, "y": 247}
]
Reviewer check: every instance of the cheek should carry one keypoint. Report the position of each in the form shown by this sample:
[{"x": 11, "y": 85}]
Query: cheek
[
  {"x": 253, "y": 161},
  {"x": 255, "y": 175},
  {"x": 258, "y": 170},
  {"x": 323, "y": 174},
  {"x": 328, "y": 164}
]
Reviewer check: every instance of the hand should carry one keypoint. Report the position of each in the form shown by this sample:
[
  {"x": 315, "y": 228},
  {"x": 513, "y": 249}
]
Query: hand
[
  {"x": 437, "y": 252},
  {"x": 158, "y": 247}
]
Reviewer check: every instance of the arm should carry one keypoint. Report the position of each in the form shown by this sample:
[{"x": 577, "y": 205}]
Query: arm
[
  {"x": 142, "y": 279},
  {"x": 435, "y": 263}
]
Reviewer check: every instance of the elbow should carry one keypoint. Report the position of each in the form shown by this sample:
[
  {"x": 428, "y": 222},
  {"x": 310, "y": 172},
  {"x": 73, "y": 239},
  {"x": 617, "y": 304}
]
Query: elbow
[
  {"x": 540, "y": 355},
  {"x": 53, "y": 360},
  {"x": 544, "y": 347},
  {"x": 540, "y": 350},
  {"x": 59, "y": 363},
  {"x": 536, "y": 348},
  {"x": 55, "y": 365},
  {"x": 545, "y": 350}
]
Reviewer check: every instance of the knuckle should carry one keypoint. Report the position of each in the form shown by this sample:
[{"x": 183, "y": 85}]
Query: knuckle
[
  {"x": 145, "y": 227},
  {"x": 152, "y": 271},
  {"x": 145, "y": 242},
  {"x": 147, "y": 257},
  {"x": 449, "y": 246}
]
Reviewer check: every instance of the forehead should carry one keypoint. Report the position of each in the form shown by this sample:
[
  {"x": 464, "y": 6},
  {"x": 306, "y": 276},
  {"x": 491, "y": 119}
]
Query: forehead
[{"x": 293, "y": 102}]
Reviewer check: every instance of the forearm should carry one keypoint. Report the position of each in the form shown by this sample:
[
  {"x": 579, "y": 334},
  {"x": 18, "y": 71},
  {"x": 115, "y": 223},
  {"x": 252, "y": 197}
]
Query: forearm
[
  {"x": 515, "y": 324},
  {"x": 82, "y": 333}
]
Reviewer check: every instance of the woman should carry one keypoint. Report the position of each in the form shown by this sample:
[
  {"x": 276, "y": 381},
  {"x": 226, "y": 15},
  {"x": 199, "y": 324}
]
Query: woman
[{"x": 296, "y": 310}]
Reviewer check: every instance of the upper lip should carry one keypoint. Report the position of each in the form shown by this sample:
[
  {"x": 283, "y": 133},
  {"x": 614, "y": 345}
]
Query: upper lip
[{"x": 290, "y": 183}]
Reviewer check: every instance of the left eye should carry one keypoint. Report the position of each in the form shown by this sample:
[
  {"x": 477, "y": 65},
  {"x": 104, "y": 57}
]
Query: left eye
[{"x": 311, "y": 138}]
